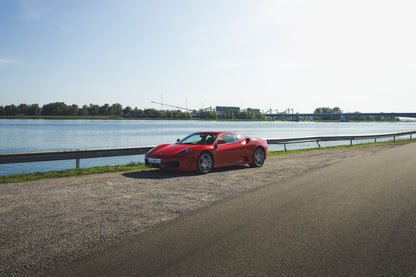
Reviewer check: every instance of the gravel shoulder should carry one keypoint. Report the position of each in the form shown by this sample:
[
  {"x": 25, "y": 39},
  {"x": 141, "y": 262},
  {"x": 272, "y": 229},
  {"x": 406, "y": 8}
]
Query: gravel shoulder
[{"x": 48, "y": 223}]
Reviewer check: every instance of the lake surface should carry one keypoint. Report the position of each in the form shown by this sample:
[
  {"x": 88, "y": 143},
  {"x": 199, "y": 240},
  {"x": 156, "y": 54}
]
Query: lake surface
[{"x": 18, "y": 135}]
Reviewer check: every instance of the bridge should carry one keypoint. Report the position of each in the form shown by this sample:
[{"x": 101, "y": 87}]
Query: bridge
[{"x": 342, "y": 116}]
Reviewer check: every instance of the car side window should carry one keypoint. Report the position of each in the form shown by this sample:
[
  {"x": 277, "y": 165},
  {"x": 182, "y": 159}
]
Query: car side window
[
  {"x": 228, "y": 137},
  {"x": 199, "y": 138},
  {"x": 210, "y": 138},
  {"x": 239, "y": 137}
]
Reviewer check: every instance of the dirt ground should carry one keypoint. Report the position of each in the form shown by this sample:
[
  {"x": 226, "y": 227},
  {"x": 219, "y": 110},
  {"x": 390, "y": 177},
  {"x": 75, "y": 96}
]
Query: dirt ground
[{"x": 45, "y": 224}]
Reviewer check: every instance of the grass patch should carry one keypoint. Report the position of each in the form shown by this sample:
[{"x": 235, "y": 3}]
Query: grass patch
[{"x": 24, "y": 177}]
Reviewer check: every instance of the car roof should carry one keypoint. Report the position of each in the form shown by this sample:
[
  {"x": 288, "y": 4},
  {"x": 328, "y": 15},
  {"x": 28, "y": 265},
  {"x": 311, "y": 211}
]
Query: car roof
[{"x": 217, "y": 132}]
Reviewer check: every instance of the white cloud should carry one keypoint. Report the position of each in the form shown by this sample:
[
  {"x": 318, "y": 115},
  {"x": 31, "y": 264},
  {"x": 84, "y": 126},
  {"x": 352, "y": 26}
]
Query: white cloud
[{"x": 7, "y": 61}]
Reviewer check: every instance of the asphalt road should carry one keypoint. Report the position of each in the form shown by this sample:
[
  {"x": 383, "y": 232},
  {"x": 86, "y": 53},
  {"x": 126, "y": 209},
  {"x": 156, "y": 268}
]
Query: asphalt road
[{"x": 353, "y": 218}]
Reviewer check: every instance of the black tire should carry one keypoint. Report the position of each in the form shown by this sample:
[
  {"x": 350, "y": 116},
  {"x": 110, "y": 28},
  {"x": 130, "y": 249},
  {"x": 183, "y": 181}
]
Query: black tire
[
  {"x": 258, "y": 157},
  {"x": 204, "y": 163}
]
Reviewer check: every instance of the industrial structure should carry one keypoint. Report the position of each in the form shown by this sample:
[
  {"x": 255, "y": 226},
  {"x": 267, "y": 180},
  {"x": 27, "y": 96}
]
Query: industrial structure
[
  {"x": 289, "y": 113},
  {"x": 220, "y": 110}
]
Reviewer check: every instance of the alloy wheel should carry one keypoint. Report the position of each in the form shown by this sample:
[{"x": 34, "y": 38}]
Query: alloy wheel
[{"x": 204, "y": 163}]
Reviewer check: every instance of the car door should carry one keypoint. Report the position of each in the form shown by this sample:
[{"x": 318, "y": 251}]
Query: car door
[
  {"x": 228, "y": 150},
  {"x": 244, "y": 146}
]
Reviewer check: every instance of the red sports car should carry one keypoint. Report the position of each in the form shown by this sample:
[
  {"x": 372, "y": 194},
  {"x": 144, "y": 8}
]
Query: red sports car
[{"x": 204, "y": 151}]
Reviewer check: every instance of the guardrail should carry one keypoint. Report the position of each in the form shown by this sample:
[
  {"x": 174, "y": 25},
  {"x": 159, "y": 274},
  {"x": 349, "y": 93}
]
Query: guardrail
[
  {"x": 338, "y": 138},
  {"x": 77, "y": 154}
]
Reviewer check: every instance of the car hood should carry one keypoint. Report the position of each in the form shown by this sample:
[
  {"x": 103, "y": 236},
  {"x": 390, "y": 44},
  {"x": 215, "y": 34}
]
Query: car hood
[{"x": 170, "y": 149}]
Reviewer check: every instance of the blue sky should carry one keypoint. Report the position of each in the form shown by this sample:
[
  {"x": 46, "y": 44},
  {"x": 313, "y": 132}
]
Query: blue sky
[{"x": 357, "y": 55}]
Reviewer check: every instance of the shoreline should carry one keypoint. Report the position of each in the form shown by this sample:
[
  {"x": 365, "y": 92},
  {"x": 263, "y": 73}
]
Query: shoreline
[{"x": 103, "y": 117}]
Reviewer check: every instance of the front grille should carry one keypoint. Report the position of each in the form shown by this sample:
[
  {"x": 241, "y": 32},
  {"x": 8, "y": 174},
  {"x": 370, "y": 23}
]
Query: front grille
[{"x": 172, "y": 164}]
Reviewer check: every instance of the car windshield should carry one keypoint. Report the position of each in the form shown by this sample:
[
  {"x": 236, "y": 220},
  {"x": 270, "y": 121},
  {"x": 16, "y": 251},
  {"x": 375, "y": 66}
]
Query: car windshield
[{"x": 199, "y": 139}]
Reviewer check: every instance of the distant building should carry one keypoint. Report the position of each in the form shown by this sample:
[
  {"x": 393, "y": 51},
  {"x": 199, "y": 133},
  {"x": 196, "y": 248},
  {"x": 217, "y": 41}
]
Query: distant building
[{"x": 221, "y": 110}]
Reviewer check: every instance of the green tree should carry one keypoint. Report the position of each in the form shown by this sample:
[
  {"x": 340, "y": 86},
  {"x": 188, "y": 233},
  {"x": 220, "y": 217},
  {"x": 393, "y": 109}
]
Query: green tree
[
  {"x": 127, "y": 110},
  {"x": 73, "y": 109},
  {"x": 57, "y": 108},
  {"x": 93, "y": 109},
  {"x": 327, "y": 110},
  {"x": 104, "y": 110},
  {"x": 336, "y": 110},
  {"x": 34, "y": 109},
  {"x": 10, "y": 110},
  {"x": 83, "y": 111},
  {"x": 203, "y": 114},
  {"x": 116, "y": 109},
  {"x": 138, "y": 112},
  {"x": 23, "y": 109},
  {"x": 152, "y": 113}
]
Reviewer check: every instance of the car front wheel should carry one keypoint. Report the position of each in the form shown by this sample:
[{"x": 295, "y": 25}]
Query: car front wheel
[
  {"x": 205, "y": 163},
  {"x": 258, "y": 157}
]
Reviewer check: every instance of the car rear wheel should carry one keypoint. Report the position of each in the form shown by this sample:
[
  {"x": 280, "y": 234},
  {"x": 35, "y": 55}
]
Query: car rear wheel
[
  {"x": 205, "y": 163},
  {"x": 258, "y": 157}
]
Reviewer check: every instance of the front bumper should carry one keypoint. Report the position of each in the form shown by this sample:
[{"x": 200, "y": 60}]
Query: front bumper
[{"x": 187, "y": 163}]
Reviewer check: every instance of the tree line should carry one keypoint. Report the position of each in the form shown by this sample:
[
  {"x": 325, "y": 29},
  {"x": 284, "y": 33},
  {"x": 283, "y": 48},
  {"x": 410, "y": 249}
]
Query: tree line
[
  {"x": 117, "y": 110},
  {"x": 356, "y": 116},
  {"x": 62, "y": 109}
]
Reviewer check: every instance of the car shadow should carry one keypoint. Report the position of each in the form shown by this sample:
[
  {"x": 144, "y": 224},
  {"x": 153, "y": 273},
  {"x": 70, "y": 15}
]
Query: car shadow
[
  {"x": 230, "y": 168},
  {"x": 156, "y": 174}
]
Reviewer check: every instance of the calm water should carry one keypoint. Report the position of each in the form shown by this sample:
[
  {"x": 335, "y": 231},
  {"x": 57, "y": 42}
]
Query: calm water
[{"x": 32, "y": 135}]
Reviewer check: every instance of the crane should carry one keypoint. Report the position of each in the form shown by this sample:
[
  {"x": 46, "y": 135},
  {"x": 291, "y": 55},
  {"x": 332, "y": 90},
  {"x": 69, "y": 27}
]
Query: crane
[{"x": 172, "y": 106}]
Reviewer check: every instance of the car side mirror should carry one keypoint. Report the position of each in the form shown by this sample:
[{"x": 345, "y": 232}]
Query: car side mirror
[
  {"x": 178, "y": 140},
  {"x": 221, "y": 141},
  {"x": 247, "y": 140}
]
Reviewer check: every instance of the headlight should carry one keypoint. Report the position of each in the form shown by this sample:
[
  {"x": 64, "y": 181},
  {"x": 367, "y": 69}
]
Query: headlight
[{"x": 186, "y": 151}]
